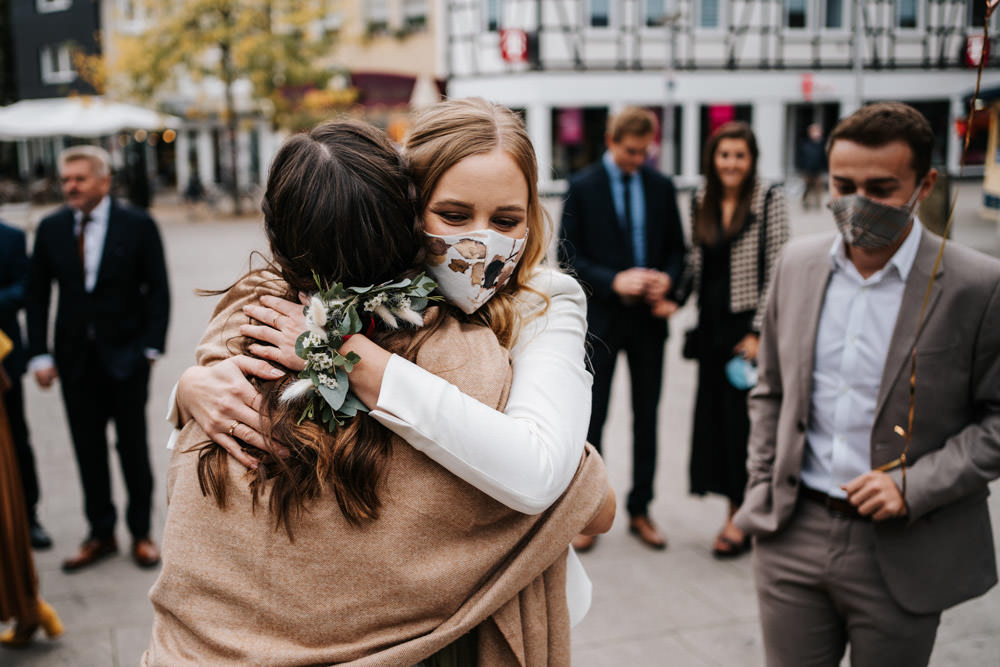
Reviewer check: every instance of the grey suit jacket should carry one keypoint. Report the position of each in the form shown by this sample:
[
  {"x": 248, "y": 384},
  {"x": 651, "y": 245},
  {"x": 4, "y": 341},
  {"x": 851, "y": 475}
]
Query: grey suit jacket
[{"x": 942, "y": 552}]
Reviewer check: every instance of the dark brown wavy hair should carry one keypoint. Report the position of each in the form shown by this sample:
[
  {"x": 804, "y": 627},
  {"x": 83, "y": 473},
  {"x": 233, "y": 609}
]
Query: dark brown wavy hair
[
  {"x": 339, "y": 202},
  {"x": 708, "y": 217}
]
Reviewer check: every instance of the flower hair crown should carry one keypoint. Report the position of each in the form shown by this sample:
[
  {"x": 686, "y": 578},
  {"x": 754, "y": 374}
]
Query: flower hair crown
[{"x": 331, "y": 318}]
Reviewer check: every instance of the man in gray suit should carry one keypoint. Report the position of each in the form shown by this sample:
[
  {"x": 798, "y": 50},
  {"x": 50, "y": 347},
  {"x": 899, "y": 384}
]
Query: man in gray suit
[{"x": 869, "y": 524}]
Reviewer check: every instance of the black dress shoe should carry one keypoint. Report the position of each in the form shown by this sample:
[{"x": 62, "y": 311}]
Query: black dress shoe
[{"x": 39, "y": 538}]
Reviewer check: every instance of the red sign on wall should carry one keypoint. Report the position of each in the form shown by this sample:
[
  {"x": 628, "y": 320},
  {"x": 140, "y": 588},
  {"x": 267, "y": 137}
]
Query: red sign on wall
[
  {"x": 514, "y": 45},
  {"x": 807, "y": 86},
  {"x": 976, "y": 49}
]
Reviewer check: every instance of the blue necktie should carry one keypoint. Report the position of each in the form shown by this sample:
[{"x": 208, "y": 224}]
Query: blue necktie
[{"x": 635, "y": 231}]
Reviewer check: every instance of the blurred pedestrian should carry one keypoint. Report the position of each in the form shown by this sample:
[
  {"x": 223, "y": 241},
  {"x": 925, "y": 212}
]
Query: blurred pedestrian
[
  {"x": 812, "y": 165},
  {"x": 869, "y": 479},
  {"x": 738, "y": 226},
  {"x": 621, "y": 233},
  {"x": 13, "y": 282},
  {"x": 18, "y": 579},
  {"x": 111, "y": 321}
]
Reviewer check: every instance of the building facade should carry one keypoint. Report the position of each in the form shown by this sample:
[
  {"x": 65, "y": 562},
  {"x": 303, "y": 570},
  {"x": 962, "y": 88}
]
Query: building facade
[
  {"x": 46, "y": 34},
  {"x": 778, "y": 64},
  {"x": 382, "y": 51}
]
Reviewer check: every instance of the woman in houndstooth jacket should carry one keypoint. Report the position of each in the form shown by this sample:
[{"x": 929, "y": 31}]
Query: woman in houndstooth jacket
[{"x": 738, "y": 226}]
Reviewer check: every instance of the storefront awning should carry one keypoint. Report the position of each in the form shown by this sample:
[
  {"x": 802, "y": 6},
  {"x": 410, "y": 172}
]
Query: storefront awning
[{"x": 77, "y": 117}]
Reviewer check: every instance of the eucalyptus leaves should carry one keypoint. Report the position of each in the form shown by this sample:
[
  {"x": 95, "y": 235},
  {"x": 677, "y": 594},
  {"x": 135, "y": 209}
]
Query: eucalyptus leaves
[{"x": 333, "y": 315}]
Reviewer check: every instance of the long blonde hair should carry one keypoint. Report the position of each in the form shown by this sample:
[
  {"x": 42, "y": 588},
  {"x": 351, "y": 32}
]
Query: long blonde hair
[{"x": 447, "y": 133}]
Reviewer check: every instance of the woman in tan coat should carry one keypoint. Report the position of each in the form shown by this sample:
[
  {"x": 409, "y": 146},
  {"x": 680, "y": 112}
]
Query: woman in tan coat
[{"x": 356, "y": 548}]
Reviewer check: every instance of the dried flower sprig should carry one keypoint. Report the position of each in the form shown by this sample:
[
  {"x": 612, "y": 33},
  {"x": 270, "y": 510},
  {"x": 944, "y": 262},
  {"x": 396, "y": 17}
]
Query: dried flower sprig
[{"x": 332, "y": 316}]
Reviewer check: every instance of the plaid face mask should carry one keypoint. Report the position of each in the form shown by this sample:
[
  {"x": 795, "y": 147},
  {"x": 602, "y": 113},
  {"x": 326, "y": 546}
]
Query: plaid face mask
[
  {"x": 865, "y": 223},
  {"x": 469, "y": 268}
]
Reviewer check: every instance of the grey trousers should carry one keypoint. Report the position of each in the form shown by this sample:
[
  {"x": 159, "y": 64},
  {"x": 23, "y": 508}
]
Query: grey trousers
[{"x": 819, "y": 589}]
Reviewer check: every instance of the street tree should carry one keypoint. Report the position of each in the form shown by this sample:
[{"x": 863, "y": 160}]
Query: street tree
[{"x": 278, "y": 47}]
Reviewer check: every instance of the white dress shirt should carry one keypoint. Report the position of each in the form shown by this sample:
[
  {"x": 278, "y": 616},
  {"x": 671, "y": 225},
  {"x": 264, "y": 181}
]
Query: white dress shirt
[
  {"x": 525, "y": 456},
  {"x": 852, "y": 341}
]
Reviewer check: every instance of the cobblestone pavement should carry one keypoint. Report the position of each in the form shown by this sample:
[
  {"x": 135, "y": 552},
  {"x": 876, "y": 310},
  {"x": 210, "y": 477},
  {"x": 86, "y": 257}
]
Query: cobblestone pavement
[{"x": 678, "y": 607}]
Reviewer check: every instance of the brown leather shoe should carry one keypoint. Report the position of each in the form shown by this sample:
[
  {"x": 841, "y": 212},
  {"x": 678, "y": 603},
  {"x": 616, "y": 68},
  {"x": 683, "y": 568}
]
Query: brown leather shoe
[
  {"x": 584, "y": 543},
  {"x": 145, "y": 553},
  {"x": 90, "y": 552},
  {"x": 643, "y": 528}
]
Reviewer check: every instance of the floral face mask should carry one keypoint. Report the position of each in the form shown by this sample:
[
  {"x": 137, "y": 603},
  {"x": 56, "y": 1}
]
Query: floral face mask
[
  {"x": 866, "y": 223},
  {"x": 469, "y": 268}
]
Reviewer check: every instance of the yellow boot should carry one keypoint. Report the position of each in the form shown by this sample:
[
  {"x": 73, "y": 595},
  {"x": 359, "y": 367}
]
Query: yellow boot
[{"x": 20, "y": 636}]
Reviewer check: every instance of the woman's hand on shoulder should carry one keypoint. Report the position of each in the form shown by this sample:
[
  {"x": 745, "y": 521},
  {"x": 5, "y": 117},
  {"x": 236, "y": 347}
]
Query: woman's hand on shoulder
[
  {"x": 281, "y": 324},
  {"x": 224, "y": 403}
]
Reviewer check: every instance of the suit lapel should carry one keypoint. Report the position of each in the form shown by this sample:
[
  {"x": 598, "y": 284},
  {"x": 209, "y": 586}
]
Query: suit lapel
[
  {"x": 111, "y": 241},
  {"x": 904, "y": 335},
  {"x": 812, "y": 284},
  {"x": 653, "y": 221},
  {"x": 67, "y": 249}
]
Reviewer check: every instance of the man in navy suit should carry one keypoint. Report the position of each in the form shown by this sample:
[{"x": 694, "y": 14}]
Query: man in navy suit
[
  {"x": 111, "y": 324},
  {"x": 13, "y": 278},
  {"x": 621, "y": 233}
]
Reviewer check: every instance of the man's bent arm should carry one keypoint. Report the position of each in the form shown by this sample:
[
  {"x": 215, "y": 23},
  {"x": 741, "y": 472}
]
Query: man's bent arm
[{"x": 970, "y": 459}]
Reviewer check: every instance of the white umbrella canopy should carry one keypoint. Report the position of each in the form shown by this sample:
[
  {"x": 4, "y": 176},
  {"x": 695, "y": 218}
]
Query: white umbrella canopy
[{"x": 77, "y": 117}]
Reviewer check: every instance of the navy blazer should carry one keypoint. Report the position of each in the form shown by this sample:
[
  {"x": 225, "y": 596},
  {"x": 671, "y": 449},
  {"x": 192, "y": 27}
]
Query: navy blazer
[
  {"x": 596, "y": 247},
  {"x": 126, "y": 313},
  {"x": 13, "y": 281}
]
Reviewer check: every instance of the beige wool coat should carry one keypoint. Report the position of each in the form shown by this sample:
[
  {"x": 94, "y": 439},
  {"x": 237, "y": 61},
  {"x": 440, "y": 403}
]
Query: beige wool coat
[{"x": 442, "y": 559}]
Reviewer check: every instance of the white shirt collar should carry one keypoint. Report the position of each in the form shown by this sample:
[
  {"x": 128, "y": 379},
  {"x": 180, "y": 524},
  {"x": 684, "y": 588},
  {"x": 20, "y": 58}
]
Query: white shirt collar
[
  {"x": 100, "y": 212},
  {"x": 902, "y": 259},
  {"x": 613, "y": 169}
]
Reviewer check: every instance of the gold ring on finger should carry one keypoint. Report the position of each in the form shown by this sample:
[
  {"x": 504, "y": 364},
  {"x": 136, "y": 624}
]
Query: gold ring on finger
[{"x": 232, "y": 428}]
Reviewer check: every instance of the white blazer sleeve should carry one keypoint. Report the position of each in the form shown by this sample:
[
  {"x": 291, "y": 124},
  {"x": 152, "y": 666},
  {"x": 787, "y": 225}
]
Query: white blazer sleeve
[
  {"x": 174, "y": 417},
  {"x": 525, "y": 456}
]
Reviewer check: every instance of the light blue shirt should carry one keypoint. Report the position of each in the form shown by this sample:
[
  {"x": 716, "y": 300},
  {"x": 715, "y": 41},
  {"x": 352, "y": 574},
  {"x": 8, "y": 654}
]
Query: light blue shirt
[
  {"x": 638, "y": 194},
  {"x": 852, "y": 341}
]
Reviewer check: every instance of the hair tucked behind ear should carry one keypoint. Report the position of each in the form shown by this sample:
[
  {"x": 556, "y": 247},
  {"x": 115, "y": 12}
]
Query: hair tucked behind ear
[
  {"x": 339, "y": 202},
  {"x": 453, "y": 130}
]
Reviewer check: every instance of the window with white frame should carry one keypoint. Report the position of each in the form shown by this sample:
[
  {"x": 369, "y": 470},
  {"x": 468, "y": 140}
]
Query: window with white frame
[
  {"x": 132, "y": 15},
  {"x": 47, "y": 6},
  {"x": 414, "y": 14},
  {"x": 331, "y": 22},
  {"x": 599, "y": 13},
  {"x": 977, "y": 13},
  {"x": 834, "y": 14},
  {"x": 491, "y": 11},
  {"x": 796, "y": 13},
  {"x": 907, "y": 13},
  {"x": 710, "y": 13},
  {"x": 376, "y": 14},
  {"x": 655, "y": 13},
  {"x": 57, "y": 64}
]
